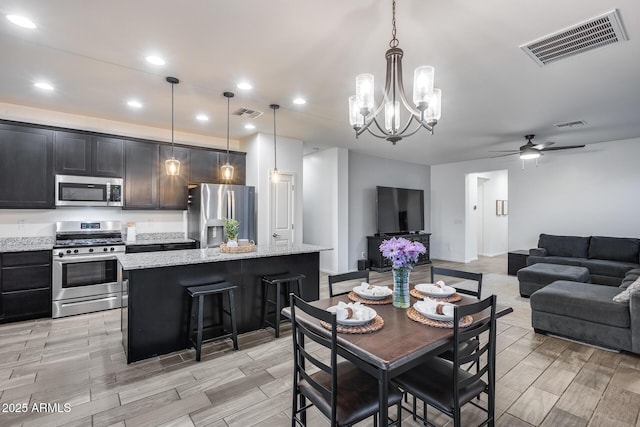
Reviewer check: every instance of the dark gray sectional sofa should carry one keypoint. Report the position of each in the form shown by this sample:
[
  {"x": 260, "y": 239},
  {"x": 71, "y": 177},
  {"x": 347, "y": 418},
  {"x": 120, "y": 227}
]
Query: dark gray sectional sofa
[{"x": 608, "y": 259}]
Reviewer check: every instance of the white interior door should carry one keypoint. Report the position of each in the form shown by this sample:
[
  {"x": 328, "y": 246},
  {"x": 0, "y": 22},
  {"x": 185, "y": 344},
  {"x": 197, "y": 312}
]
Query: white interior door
[{"x": 282, "y": 212}]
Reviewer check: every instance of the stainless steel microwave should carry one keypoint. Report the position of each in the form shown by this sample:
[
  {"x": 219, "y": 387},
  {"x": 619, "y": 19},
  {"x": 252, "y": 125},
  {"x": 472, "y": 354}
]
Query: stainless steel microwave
[{"x": 88, "y": 191}]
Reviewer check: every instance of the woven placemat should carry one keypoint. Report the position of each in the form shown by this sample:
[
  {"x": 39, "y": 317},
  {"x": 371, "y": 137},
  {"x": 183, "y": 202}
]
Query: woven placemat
[
  {"x": 453, "y": 298},
  {"x": 375, "y": 325},
  {"x": 357, "y": 298},
  {"x": 414, "y": 315}
]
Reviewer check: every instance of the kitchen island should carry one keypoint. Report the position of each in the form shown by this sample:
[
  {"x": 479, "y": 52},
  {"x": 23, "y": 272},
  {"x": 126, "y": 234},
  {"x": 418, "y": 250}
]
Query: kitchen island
[{"x": 155, "y": 305}]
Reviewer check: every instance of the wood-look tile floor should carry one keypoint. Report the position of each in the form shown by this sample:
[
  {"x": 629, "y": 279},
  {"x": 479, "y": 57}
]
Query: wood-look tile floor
[{"x": 72, "y": 372}]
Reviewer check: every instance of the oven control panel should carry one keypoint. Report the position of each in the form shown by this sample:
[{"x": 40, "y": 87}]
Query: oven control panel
[{"x": 88, "y": 251}]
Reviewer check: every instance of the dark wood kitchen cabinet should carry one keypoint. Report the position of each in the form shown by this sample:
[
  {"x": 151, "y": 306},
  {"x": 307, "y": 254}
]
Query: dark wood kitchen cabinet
[
  {"x": 141, "y": 175},
  {"x": 174, "y": 191},
  {"x": 239, "y": 163},
  {"x": 25, "y": 285},
  {"x": 26, "y": 167},
  {"x": 158, "y": 247},
  {"x": 204, "y": 166},
  {"x": 90, "y": 155}
]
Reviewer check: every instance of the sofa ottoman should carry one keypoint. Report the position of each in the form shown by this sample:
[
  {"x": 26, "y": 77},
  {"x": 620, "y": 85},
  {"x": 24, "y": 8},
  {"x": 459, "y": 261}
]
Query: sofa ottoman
[
  {"x": 582, "y": 311},
  {"x": 537, "y": 276}
]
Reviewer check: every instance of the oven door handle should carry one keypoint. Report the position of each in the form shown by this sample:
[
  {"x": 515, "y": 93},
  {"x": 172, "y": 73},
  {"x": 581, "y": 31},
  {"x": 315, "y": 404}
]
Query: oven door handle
[
  {"x": 68, "y": 304},
  {"x": 74, "y": 259}
]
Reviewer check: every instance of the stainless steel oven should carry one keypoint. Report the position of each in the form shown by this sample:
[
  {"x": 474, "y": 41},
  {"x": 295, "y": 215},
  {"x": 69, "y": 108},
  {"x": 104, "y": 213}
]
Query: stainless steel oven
[{"x": 85, "y": 276}]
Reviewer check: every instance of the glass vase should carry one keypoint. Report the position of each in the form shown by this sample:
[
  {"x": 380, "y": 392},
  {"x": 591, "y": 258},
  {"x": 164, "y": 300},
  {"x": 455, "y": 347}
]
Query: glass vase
[{"x": 401, "y": 287}]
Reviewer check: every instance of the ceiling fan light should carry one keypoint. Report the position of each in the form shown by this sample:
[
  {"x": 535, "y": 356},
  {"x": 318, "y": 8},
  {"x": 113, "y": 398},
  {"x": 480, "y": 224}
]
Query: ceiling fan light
[
  {"x": 529, "y": 154},
  {"x": 172, "y": 166}
]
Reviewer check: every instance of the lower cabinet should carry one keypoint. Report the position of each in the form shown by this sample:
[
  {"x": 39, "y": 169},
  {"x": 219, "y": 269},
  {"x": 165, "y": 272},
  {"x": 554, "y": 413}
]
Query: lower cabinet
[
  {"x": 25, "y": 285},
  {"x": 133, "y": 249}
]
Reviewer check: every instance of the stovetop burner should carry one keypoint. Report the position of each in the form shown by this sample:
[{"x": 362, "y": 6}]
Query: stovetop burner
[
  {"x": 88, "y": 233},
  {"x": 89, "y": 242}
]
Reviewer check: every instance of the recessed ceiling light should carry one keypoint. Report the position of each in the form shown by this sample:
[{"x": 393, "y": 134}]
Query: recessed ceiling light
[
  {"x": 245, "y": 86},
  {"x": 22, "y": 21},
  {"x": 300, "y": 101},
  {"x": 249, "y": 126},
  {"x": 43, "y": 85},
  {"x": 155, "y": 60},
  {"x": 134, "y": 104},
  {"x": 202, "y": 117}
]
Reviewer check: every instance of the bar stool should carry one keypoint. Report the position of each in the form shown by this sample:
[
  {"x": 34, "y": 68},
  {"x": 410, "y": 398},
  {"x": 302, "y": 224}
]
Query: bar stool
[
  {"x": 282, "y": 283},
  {"x": 200, "y": 292}
]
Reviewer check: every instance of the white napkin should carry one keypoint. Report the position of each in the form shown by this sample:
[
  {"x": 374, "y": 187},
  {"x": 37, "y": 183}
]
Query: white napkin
[
  {"x": 437, "y": 288},
  {"x": 428, "y": 305},
  {"x": 367, "y": 289},
  {"x": 358, "y": 312}
]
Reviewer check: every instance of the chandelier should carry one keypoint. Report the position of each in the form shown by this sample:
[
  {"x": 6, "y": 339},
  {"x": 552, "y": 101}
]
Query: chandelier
[{"x": 424, "y": 113}]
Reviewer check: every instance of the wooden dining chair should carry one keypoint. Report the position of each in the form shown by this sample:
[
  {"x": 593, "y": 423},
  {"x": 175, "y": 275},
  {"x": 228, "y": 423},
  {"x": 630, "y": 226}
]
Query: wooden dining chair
[
  {"x": 341, "y": 391},
  {"x": 444, "y": 384},
  {"x": 474, "y": 290},
  {"x": 360, "y": 276}
]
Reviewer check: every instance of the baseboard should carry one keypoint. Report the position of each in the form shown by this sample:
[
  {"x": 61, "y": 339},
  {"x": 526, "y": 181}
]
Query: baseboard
[{"x": 495, "y": 254}]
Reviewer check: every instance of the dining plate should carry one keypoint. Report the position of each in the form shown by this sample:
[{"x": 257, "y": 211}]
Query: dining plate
[
  {"x": 427, "y": 311},
  {"x": 378, "y": 293},
  {"x": 428, "y": 290},
  {"x": 366, "y": 316}
]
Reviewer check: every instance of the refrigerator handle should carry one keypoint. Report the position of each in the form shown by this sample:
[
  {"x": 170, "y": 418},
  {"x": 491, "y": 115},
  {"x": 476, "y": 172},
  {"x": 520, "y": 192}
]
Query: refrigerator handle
[
  {"x": 228, "y": 205},
  {"x": 233, "y": 204}
]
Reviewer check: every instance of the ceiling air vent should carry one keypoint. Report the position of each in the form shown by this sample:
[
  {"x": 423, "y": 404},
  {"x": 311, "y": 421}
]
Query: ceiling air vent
[
  {"x": 597, "y": 32},
  {"x": 247, "y": 113},
  {"x": 571, "y": 124}
]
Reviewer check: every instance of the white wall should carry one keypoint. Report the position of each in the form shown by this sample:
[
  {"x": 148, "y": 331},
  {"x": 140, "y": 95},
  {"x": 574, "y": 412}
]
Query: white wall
[
  {"x": 326, "y": 206},
  {"x": 494, "y": 227},
  {"x": 41, "y": 222},
  {"x": 365, "y": 173},
  {"x": 260, "y": 162},
  {"x": 588, "y": 191}
]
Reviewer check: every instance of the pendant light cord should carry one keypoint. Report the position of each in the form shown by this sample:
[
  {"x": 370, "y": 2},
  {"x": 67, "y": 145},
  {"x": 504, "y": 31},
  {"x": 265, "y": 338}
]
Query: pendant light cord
[
  {"x": 228, "y": 102},
  {"x": 275, "y": 156},
  {"x": 394, "y": 41},
  {"x": 172, "y": 84}
]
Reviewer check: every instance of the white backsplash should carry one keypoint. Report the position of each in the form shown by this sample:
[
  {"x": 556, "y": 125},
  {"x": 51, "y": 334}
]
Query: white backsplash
[{"x": 35, "y": 222}]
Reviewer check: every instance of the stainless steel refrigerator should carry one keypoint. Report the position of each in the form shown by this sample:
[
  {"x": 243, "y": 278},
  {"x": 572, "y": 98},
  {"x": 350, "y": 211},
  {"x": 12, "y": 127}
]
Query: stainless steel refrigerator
[{"x": 210, "y": 204}]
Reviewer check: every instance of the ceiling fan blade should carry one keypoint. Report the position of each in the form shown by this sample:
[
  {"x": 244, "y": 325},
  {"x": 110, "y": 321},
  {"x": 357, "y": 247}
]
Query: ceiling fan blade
[
  {"x": 564, "y": 147},
  {"x": 505, "y": 151},
  {"x": 505, "y": 155},
  {"x": 543, "y": 145}
]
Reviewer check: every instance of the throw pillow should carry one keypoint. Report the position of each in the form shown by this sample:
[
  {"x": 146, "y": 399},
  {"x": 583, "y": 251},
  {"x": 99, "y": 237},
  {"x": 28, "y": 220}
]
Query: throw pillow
[{"x": 625, "y": 295}]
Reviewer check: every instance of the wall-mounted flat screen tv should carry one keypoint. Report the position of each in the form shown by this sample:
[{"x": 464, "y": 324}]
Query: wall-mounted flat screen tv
[{"x": 400, "y": 210}]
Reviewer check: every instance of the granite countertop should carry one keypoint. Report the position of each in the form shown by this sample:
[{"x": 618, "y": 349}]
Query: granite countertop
[
  {"x": 201, "y": 256},
  {"x": 23, "y": 244}
]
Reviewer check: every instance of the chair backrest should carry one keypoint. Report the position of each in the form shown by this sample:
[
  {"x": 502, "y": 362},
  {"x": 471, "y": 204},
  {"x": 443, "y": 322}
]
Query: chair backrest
[
  {"x": 345, "y": 277},
  {"x": 484, "y": 356},
  {"x": 477, "y": 277},
  {"x": 301, "y": 356}
]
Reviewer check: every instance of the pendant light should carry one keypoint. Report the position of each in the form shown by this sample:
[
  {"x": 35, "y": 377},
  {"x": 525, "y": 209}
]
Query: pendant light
[
  {"x": 172, "y": 165},
  {"x": 227, "y": 169},
  {"x": 275, "y": 176}
]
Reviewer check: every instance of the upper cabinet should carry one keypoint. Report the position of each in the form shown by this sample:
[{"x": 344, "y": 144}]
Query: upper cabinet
[
  {"x": 84, "y": 154},
  {"x": 204, "y": 166},
  {"x": 26, "y": 167},
  {"x": 174, "y": 190},
  {"x": 141, "y": 175},
  {"x": 239, "y": 163}
]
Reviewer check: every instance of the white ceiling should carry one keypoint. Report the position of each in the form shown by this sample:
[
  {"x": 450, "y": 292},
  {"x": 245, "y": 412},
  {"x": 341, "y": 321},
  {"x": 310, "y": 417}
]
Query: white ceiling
[{"x": 493, "y": 94}]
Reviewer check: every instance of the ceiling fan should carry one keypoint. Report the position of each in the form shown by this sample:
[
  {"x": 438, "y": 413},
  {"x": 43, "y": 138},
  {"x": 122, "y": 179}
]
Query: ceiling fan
[{"x": 533, "y": 151}]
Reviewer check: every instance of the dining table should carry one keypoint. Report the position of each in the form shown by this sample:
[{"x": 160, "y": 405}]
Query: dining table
[{"x": 401, "y": 344}]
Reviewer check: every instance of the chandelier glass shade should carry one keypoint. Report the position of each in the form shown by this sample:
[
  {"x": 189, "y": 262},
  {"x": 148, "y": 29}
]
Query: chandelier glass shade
[
  {"x": 423, "y": 113},
  {"x": 227, "y": 169},
  {"x": 172, "y": 165}
]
